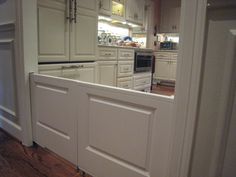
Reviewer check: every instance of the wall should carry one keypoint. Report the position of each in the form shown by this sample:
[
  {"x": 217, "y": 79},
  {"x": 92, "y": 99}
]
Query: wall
[
  {"x": 9, "y": 119},
  {"x": 18, "y": 57}
]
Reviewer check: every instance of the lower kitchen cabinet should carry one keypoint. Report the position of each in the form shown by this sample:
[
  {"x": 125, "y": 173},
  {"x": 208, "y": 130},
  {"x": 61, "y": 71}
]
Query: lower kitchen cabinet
[
  {"x": 107, "y": 72},
  {"x": 142, "y": 81},
  {"x": 125, "y": 82},
  {"x": 78, "y": 71},
  {"x": 125, "y": 68},
  {"x": 165, "y": 68}
]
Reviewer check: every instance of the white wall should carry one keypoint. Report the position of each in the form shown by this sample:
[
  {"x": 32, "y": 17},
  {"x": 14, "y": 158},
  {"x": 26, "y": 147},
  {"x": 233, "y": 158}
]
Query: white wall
[{"x": 18, "y": 57}]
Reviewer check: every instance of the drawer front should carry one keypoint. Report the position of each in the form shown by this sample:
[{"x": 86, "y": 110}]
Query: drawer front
[
  {"x": 107, "y": 54},
  {"x": 174, "y": 56},
  {"x": 125, "y": 69},
  {"x": 163, "y": 55},
  {"x": 126, "y": 83},
  {"x": 126, "y": 54},
  {"x": 142, "y": 82}
]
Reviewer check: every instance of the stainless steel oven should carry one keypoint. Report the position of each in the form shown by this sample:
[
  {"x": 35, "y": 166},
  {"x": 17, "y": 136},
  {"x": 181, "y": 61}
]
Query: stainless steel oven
[{"x": 143, "y": 61}]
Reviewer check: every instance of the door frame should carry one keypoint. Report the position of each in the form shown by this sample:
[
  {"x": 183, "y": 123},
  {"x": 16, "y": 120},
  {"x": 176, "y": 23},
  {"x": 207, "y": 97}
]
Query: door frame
[
  {"x": 188, "y": 82},
  {"x": 189, "y": 67}
]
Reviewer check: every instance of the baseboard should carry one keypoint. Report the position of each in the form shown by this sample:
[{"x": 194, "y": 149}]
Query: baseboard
[{"x": 10, "y": 127}]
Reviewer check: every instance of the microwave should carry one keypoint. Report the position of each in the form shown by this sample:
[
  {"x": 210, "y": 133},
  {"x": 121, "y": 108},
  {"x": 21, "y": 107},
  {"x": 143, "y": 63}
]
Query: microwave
[{"x": 143, "y": 62}]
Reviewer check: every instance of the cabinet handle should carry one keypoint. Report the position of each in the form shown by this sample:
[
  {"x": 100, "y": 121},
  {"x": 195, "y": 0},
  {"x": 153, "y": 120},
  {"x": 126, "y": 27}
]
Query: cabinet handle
[
  {"x": 75, "y": 11},
  {"x": 70, "y": 11}
]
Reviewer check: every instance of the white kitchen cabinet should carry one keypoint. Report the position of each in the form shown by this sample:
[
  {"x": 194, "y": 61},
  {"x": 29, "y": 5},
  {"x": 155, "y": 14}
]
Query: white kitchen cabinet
[
  {"x": 107, "y": 53},
  {"x": 165, "y": 68},
  {"x": 62, "y": 40},
  {"x": 125, "y": 82},
  {"x": 126, "y": 54},
  {"x": 105, "y": 7},
  {"x": 53, "y": 31},
  {"x": 142, "y": 81},
  {"x": 125, "y": 68},
  {"x": 170, "y": 16},
  {"x": 107, "y": 72},
  {"x": 83, "y": 38},
  {"x": 135, "y": 11},
  {"x": 79, "y": 71}
]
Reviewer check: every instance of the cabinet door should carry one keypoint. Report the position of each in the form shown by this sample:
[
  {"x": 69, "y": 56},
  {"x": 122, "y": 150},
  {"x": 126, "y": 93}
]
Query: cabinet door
[
  {"x": 130, "y": 10},
  {"x": 83, "y": 39},
  {"x": 140, "y": 11},
  {"x": 86, "y": 74},
  {"x": 173, "y": 66},
  {"x": 107, "y": 73},
  {"x": 162, "y": 69},
  {"x": 105, "y": 7},
  {"x": 53, "y": 31}
]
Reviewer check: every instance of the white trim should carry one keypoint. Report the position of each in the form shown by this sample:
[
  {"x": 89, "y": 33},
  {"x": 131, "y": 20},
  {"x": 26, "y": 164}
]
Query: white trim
[
  {"x": 7, "y": 110},
  {"x": 11, "y": 127},
  {"x": 193, "y": 16}
]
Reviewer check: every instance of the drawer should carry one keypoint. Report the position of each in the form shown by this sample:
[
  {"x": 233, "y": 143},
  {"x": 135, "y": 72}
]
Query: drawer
[
  {"x": 125, "y": 68},
  {"x": 56, "y": 73},
  {"x": 125, "y": 54},
  {"x": 174, "y": 56},
  {"x": 163, "y": 55},
  {"x": 142, "y": 81},
  {"x": 107, "y": 53},
  {"x": 126, "y": 82}
]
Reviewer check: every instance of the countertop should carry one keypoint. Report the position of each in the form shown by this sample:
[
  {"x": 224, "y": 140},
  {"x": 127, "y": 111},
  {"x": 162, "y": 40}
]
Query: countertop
[{"x": 126, "y": 47}]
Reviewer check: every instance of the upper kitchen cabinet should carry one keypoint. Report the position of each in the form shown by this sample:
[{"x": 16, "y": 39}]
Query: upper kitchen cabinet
[
  {"x": 53, "y": 31},
  {"x": 105, "y": 7},
  {"x": 135, "y": 11},
  {"x": 67, "y": 30},
  {"x": 83, "y": 38},
  {"x": 170, "y": 16},
  {"x": 118, "y": 9}
]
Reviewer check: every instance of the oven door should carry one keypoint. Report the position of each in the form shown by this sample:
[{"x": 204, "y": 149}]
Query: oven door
[{"x": 143, "y": 62}]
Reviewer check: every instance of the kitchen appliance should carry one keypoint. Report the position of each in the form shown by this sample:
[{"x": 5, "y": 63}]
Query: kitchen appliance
[
  {"x": 143, "y": 60},
  {"x": 168, "y": 45}
]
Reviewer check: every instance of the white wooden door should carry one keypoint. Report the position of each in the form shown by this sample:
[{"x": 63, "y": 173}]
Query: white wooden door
[
  {"x": 83, "y": 38},
  {"x": 106, "y": 131},
  {"x": 107, "y": 72},
  {"x": 53, "y": 31},
  {"x": 116, "y": 133}
]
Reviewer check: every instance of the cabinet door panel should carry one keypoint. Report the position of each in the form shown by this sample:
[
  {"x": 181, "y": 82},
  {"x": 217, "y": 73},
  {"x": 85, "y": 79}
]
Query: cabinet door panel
[
  {"x": 107, "y": 74},
  {"x": 84, "y": 38},
  {"x": 162, "y": 69},
  {"x": 88, "y": 4},
  {"x": 105, "y": 7},
  {"x": 173, "y": 67},
  {"x": 53, "y": 32},
  {"x": 87, "y": 74}
]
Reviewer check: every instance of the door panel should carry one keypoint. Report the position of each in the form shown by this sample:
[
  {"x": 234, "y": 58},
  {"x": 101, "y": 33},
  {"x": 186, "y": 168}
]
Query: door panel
[
  {"x": 84, "y": 38},
  {"x": 162, "y": 69},
  {"x": 53, "y": 31}
]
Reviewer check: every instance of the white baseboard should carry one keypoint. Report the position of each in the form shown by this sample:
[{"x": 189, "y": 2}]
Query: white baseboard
[{"x": 10, "y": 127}]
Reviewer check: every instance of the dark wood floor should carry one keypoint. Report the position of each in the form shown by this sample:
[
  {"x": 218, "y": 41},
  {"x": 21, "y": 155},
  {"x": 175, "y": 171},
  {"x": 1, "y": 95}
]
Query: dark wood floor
[
  {"x": 17, "y": 160},
  {"x": 163, "y": 90}
]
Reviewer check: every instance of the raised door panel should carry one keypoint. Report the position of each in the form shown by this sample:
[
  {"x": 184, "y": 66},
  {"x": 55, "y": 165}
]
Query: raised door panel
[
  {"x": 84, "y": 38},
  {"x": 90, "y": 5},
  {"x": 105, "y": 7},
  {"x": 114, "y": 134},
  {"x": 107, "y": 73},
  {"x": 162, "y": 69},
  {"x": 87, "y": 74},
  {"x": 130, "y": 10},
  {"x": 53, "y": 31},
  {"x": 140, "y": 12}
]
